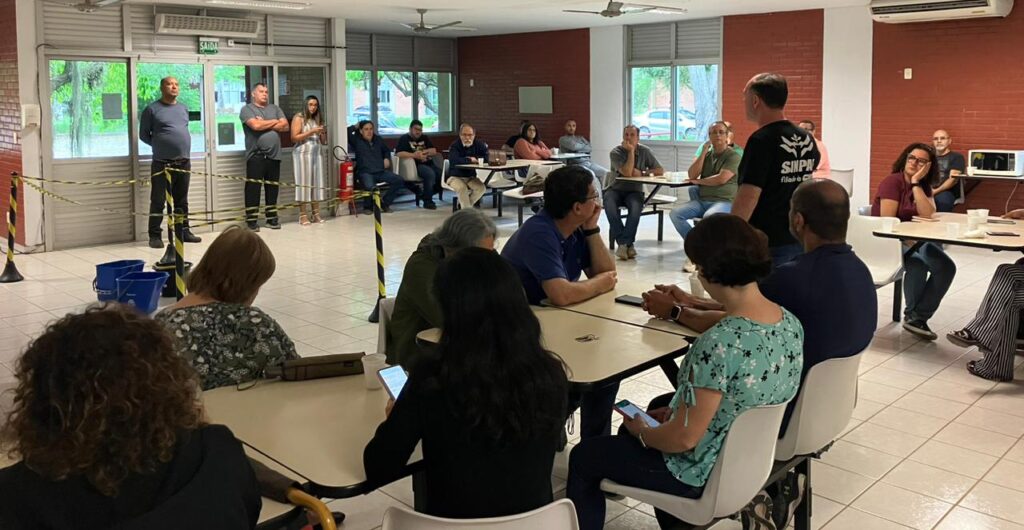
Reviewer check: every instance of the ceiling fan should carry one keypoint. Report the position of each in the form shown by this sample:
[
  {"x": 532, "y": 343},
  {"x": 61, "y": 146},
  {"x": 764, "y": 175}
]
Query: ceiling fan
[
  {"x": 423, "y": 27},
  {"x": 615, "y": 9},
  {"x": 88, "y": 6}
]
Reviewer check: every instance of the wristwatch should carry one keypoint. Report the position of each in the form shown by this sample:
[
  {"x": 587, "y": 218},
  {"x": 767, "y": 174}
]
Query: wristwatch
[
  {"x": 676, "y": 311},
  {"x": 592, "y": 231}
]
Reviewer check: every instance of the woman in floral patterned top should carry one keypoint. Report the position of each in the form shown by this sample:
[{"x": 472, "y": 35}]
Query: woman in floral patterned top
[
  {"x": 752, "y": 357},
  {"x": 226, "y": 339}
]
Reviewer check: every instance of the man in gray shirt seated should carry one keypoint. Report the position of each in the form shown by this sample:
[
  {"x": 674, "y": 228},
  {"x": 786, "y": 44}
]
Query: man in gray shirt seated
[
  {"x": 164, "y": 126},
  {"x": 628, "y": 160},
  {"x": 571, "y": 143},
  {"x": 261, "y": 121}
]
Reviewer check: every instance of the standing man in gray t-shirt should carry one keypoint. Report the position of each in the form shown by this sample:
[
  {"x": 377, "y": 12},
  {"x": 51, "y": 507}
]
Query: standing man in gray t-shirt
[
  {"x": 628, "y": 160},
  {"x": 164, "y": 127},
  {"x": 261, "y": 121}
]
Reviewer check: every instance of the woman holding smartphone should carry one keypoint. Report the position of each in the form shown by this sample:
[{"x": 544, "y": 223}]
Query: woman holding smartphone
[
  {"x": 750, "y": 358},
  {"x": 489, "y": 408},
  {"x": 308, "y": 134}
]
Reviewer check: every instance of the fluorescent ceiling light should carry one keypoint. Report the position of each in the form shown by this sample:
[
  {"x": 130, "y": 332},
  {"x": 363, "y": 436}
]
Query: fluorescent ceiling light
[{"x": 262, "y": 4}]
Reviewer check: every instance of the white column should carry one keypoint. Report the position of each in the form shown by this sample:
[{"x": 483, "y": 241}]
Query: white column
[
  {"x": 31, "y": 157},
  {"x": 846, "y": 95},
  {"x": 337, "y": 111},
  {"x": 607, "y": 81}
]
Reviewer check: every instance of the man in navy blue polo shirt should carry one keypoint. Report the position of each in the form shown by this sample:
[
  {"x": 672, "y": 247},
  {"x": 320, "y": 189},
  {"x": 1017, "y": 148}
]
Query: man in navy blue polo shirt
[{"x": 552, "y": 250}]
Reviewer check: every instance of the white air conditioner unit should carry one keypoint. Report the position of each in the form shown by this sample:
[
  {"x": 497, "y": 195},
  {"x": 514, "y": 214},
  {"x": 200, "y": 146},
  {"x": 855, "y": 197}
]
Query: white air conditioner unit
[
  {"x": 901, "y": 11},
  {"x": 238, "y": 28}
]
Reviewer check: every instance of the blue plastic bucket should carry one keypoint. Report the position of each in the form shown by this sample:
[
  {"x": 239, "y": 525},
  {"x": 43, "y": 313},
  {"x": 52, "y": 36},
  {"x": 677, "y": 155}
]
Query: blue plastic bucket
[
  {"x": 107, "y": 274},
  {"x": 141, "y": 289}
]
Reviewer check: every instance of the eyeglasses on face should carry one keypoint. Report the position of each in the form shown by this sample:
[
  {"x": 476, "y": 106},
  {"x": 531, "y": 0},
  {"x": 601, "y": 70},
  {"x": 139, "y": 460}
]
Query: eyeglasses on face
[{"x": 915, "y": 160}]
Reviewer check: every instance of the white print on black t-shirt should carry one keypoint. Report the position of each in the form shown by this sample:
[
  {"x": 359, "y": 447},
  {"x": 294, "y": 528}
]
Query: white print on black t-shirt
[
  {"x": 803, "y": 144},
  {"x": 797, "y": 166}
]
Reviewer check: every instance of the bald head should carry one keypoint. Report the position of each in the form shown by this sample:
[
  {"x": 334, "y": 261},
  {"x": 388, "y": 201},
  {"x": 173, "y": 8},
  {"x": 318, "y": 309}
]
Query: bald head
[{"x": 821, "y": 206}]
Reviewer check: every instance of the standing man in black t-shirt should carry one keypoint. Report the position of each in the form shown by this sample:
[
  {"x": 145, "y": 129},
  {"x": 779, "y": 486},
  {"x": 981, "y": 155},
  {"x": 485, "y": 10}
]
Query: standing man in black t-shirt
[
  {"x": 777, "y": 158},
  {"x": 951, "y": 165},
  {"x": 420, "y": 149}
]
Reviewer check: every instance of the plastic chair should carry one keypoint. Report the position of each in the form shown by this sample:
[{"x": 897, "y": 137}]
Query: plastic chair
[
  {"x": 844, "y": 177},
  {"x": 823, "y": 408},
  {"x": 883, "y": 256},
  {"x": 387, "y": 307},
  {"x": 739, "y": 474},
  {"x": 559, "y": 515}
]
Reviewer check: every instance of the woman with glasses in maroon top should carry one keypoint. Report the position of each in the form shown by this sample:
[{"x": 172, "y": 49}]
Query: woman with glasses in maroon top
[{"x": 928, "y": 270}]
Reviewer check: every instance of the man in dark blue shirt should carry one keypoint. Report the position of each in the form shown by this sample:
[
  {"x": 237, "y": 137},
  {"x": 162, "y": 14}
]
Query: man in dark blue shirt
[
  {"x": 828, "y": 287},
  {"x": 373, "y": 164},
  {"x": 466, "y": 150},
  {"x": 551, "y": 251}
]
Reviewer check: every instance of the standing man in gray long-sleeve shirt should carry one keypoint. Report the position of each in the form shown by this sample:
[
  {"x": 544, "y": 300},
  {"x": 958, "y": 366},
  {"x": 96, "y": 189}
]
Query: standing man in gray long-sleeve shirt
[
  {"x": 164, "y": 126},
  {"x": 571, "y": 143}
]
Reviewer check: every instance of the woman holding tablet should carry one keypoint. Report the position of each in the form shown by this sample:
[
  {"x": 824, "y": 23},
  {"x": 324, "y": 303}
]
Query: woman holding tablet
[
  {"x": 750, "y": 358},
  {"x": 489, "y": 408}
]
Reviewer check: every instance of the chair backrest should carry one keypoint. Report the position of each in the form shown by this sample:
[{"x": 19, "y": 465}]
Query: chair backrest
[
  {"x": 559, "y": 515},
  {"x": 883, "y": 256},
  {"x": 407, "y": 169},
  {"x": 844, "y": 177},
  {"x": 387, "y": 307},
  {"x": 744, "y": 462},
  {"x": 823, "y": 407}
]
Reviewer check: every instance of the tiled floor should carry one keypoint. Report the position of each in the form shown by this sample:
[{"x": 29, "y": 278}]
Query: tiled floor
[{"x": 930, "y": 446}]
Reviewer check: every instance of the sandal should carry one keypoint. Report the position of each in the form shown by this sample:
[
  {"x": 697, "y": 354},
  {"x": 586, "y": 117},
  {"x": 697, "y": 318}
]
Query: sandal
[
  {"x": 962, "y": 338},
  {"x": 317, "y": 219},
  {"x": 303, "y": 220},
  {"x": 973, "y": 370}
]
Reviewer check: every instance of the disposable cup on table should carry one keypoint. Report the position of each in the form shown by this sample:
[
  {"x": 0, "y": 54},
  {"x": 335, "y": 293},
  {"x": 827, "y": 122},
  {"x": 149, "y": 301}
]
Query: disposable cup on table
[
  {"x": 953, "y": 230},
  {"x": 974, "y": 222},
  {"x": 888, "y": 224},
  {"x": 696, "y": 288},
  {"x": 373, "y": 363},
  {"x": 982, "y": 213}
]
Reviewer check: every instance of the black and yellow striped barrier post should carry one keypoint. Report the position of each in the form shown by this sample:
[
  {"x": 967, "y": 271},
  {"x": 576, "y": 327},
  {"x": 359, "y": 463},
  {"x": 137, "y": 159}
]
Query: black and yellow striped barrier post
[
  {"x": 379, "y": 232},
  {"x": 175, "y": 224},
  {"x": 11, "y": 274}
]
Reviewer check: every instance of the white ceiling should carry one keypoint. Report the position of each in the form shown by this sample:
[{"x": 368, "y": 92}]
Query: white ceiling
[{"x": 491, "y": 17}]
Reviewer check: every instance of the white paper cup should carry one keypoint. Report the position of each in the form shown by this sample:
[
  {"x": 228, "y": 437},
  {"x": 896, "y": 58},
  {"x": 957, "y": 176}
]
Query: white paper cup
[
  {"x": 888, "y": 223},
  {"x": 480, "y": 161},
  {"x": 373, "y": 363},
  {"x": 953, "y": 230},
  {"x": 554, "y": 151},
  {"x": 982, "y": 213},
  {"x": 696, "y": 288},
  {"x": 974, "y": 222}
]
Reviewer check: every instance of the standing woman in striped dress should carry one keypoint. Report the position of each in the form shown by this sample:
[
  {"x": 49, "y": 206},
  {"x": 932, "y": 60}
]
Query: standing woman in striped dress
[
  {"x": 308, "y": 134},
  {"x": 995, "y": 328}
]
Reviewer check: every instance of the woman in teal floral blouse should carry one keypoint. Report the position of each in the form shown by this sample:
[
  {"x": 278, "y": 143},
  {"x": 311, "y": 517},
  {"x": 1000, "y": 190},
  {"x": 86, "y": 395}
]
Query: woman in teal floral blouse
[
  {"x": 223, "y": 336},
  {"x": 752, "y": 357}
]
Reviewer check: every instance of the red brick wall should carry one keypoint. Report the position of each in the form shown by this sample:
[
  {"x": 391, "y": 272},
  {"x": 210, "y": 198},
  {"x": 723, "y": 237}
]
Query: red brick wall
[
  {"x": 967, "y": 79},
  {"x": 10, "y": 114},
  {"x": 499, "y": 65},
  {"x": 789, "y": 43}
]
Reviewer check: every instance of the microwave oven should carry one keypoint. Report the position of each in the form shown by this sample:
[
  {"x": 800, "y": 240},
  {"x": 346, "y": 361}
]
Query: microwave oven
[{"x": 996, "y": 163}]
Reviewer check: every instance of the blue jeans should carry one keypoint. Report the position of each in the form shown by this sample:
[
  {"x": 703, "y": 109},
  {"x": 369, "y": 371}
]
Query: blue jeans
[
  {"x": 622, "y": 459},
  {"x": 634, "y": 203},
  {"x": 944, "y": 201},
  {"x": 785, "y": 253},
  {"x": 428, "y": 174},
  {"x": 928, "y": 272},
  {"x": 394, "y": 182},
  {"x": 681, "y": 216}
]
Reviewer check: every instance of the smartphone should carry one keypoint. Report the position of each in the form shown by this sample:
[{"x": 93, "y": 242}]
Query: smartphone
[
  {"x": 1000, "y": 222},
  {"x": 629, "y": 299},
  {"x": 629, "y": 410},
  {"x": 1007, "y": 234},
  {"x": 393, "y": 378}
]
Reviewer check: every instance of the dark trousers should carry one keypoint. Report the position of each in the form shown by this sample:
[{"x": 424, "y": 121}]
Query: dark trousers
[
  {"x": 394, "y": 182},
  {"x": 621, "y": 459},
  {"x": 595, "y": 410},
  {"x": 259, "y": 167},
  {"x": 158, "y": 192},
  {"x": 945, "y": 201},
  {"x": 429, "y": 175}
]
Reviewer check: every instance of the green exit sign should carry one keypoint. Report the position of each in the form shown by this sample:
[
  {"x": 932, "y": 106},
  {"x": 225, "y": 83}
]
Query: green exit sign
[{"x": 209, "y": 46}]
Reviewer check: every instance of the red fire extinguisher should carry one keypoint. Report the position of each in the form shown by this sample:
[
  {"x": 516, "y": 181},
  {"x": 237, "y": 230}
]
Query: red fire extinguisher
[{"x": 347, "y": 180}]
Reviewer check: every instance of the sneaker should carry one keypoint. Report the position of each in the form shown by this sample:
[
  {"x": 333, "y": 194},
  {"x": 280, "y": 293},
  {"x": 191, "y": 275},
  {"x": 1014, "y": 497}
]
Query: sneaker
[
  {"x": 189, "y": 237},
  {"x": 622, "y": 252},
  {"x": 630, "y": 251},
  {"x": 790, "y": 496},
  {"x": 251, "y": 225},
  {"x": 385, "y": 209},
  {"x": 274, "y": 224},
  {"x": 430, "y": 205},
  {"x": 758, "y": 514},
  {"x": 156, "y": 242},
  {"x": 920, "y": 328}
]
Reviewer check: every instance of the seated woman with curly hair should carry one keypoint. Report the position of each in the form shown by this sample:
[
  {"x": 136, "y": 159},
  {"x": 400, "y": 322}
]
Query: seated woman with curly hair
[{"x": 109, "y": 430}]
